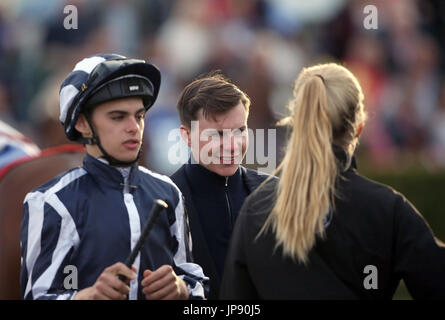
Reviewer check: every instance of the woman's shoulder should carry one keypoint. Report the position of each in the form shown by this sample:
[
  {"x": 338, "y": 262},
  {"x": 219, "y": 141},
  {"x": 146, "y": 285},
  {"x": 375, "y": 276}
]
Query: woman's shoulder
[
  {"x": 363, "y": 186},
  {"x": 262, "y": 199},
  {"x": 376, "y": 201}
]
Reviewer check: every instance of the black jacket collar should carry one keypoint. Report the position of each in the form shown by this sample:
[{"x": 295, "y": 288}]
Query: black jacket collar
[
  {"x": 207, "y": 181},
  {"x": 344, "y": 161}
]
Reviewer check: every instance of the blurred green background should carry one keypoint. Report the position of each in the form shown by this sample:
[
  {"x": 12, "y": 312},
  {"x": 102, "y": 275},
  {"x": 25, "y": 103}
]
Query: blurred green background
[{"x": 424, "y": 189}]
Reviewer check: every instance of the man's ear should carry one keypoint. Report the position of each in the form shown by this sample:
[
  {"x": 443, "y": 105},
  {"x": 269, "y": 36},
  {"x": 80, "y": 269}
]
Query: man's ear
[
  {"x": 186, "y": 134},
  {"x": 82, "y": 126}
]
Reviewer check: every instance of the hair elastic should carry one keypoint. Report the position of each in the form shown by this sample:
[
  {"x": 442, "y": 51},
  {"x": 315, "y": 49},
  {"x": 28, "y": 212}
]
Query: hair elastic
[{"x": 321, "y": 77}]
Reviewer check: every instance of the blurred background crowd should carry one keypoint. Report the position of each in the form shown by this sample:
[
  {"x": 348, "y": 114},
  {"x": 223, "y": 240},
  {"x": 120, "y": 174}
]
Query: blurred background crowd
[{"x": 260, "y": 44}]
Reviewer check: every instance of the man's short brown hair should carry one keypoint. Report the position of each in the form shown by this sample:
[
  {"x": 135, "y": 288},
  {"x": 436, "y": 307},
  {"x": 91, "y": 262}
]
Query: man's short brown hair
[{"x": 214, "y": 93}]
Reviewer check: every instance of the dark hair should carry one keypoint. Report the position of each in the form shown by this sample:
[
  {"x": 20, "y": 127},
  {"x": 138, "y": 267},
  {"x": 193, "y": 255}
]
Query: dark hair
[{"x": 212, "y": 92}]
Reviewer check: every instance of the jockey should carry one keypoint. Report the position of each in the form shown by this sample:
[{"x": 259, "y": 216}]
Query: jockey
[{"x": 88, "y": 219}]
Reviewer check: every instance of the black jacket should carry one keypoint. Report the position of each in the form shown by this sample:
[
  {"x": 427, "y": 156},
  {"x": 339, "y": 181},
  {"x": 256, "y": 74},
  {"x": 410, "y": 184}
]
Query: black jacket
[
  {"x": 200, "y": 249},
  {"x": 373, "y": 225}
]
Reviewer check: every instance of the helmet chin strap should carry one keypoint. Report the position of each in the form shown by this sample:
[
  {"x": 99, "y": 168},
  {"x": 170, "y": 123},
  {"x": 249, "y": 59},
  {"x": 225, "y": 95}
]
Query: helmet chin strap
[{"x": 111, "y": 160}]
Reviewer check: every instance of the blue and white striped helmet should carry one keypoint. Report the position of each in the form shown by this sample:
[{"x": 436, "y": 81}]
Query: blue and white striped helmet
[{"x": 119, "y": 77}]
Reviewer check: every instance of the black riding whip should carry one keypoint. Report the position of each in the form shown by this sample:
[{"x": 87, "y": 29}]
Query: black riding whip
[{"x": 158, "y": 205}]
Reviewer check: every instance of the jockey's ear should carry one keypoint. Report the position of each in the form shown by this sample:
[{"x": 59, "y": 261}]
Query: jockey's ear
[{"x": 83, "y": 126}]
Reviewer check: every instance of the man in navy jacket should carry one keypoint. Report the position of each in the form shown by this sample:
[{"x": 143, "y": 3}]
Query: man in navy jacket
[
  {"x": 213, "y": 114},
  {"x": 89, "y": 219}
]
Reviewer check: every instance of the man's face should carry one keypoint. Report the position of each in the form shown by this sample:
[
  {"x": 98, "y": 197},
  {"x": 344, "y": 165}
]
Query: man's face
[
  {"x": 219, "y": 143},
  {"x": 120, "y": 127}
]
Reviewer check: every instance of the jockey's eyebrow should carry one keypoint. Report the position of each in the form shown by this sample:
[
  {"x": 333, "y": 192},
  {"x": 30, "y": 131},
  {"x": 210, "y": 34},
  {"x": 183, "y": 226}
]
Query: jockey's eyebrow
[{"x": 124, "y": 112}]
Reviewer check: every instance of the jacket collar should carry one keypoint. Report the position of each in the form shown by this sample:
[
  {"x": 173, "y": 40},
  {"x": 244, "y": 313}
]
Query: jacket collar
[
  {"x": 208, "y": 181},
  {"x": 107, "y": 175},
  {"x": 344, "y": 161},
  {"x": 252, "y": 178}
]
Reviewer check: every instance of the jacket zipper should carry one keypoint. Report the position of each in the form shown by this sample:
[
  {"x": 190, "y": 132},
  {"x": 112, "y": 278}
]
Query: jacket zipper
[{"x": 227, "y": 200}]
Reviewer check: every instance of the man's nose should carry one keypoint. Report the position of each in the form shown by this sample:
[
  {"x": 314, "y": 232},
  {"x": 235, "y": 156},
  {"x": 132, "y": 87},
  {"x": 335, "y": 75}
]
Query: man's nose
[
  {"x": 228, "y": 142},
  {"x": 133, "y": 125}
]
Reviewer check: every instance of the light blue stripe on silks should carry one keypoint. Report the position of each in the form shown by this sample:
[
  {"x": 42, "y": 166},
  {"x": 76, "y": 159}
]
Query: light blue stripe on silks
[
  {"x": 67, "y": 95},
  {"x": 176, "y": 229},
  {"x": 36, "y": 202},
  {"x": 68, "y": 238},
  {"x": 88, "y": 64},
  {"x": 135, "y": 231}
]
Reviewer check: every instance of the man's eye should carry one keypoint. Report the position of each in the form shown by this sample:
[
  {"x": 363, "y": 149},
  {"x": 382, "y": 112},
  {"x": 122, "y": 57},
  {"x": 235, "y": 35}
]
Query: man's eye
[
  {"x": 213, "y": 134},
  {"x": 238, "y": 132},
  {"x": 140, "y": 117},
  {"x": 117, "y": 118}
]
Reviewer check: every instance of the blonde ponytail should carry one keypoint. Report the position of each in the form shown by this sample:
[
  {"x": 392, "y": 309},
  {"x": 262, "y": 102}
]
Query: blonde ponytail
[{"x": 306, "y": 189}]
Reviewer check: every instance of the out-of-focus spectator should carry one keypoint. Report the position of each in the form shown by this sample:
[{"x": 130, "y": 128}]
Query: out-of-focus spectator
[
  {"x": 437, "y": 145},
  {"x": 260, "y": 44},
  {"x": 14, "y": 145},
  {"x": 44, "y": 112},
  {"x": 365, "y": 58}
]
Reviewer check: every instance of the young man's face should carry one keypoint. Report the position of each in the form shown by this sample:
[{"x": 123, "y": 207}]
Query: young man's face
[
  {"x": 219, "y": 143},
  {"x": 120, "y": 127}
]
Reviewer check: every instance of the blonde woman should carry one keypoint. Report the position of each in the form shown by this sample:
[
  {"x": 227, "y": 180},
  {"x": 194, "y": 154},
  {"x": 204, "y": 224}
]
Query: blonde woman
[{"x": 323, "y": 231}]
